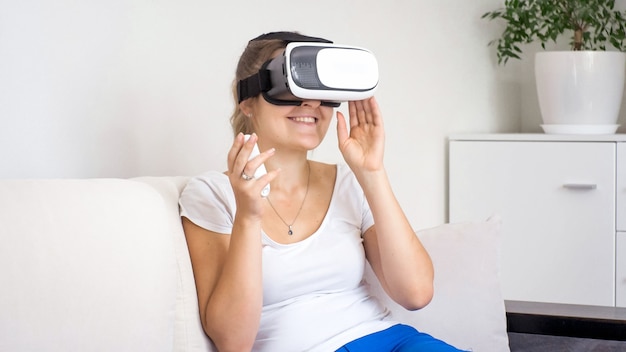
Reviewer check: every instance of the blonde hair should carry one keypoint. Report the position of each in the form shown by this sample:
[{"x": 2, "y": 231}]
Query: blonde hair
[{"x": 253, "y": 57}]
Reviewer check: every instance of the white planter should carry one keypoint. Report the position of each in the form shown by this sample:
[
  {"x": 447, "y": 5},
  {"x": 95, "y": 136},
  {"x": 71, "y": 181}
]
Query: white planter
[{"x": 580, "y": 92}]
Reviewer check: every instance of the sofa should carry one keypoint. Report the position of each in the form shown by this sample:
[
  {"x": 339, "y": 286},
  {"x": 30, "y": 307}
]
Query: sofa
[{"x": 103, "y": 265}]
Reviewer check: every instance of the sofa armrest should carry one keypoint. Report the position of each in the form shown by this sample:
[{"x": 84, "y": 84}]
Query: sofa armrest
[{"x": 87, "y": 265}]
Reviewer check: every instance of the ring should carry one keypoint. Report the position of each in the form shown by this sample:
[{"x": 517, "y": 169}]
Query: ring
[{"x": 246, "y": 177}]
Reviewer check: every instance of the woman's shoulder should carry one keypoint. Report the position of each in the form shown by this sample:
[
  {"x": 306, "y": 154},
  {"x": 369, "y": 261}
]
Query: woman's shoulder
[
  {"x": 208, "y": 201},
  {"x": 208, "y": 183},
  {"x": 208, "y": 178}
]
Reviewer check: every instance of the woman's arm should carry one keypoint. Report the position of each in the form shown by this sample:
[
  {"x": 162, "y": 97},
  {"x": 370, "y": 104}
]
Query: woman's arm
[
  {"x": 396, "y": 254},
  {"x": 227, "y": 267},
  {"x": 227, "y": 273},
  {"x": 398, "y": 258}
]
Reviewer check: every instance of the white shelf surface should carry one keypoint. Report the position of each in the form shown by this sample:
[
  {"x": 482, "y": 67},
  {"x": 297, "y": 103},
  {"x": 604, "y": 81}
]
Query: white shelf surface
[{"x": 539, "y": 137}]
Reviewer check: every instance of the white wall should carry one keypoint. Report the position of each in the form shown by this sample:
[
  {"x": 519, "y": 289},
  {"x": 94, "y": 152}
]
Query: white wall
[{"x": 122, "y": 88}]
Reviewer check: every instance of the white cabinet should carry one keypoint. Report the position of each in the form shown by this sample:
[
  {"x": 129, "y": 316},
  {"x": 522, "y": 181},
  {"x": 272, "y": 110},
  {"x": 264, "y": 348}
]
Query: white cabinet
[
  {"x": 558, "y": 197},
  {"x": 620, "y": 277},
  {"x": 621, "y": 186}
]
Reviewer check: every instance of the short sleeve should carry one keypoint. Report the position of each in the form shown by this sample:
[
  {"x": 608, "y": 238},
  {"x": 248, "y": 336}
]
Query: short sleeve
[
  {"x": 208, "y": 201},
  {"x": 367, "y": 220},
  {"x": 354, "y": 196}
]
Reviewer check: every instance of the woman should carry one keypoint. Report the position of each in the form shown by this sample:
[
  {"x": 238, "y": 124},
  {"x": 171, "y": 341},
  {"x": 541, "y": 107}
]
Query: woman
[{"x": 285, "y": 272}]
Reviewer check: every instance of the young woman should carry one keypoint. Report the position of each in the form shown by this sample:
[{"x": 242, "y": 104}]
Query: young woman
[{"x": 285, "y": 272}]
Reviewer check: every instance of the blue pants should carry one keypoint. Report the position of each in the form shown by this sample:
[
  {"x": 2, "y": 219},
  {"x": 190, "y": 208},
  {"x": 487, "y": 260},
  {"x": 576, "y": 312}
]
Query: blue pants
[{"x": 398, "y": 338}]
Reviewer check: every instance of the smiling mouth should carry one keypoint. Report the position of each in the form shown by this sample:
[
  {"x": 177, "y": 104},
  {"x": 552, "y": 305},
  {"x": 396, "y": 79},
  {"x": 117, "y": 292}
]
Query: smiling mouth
[{"x": 304, "y": 119}]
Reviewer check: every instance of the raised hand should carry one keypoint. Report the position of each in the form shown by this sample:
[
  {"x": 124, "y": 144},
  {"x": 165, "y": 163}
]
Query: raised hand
[
  {"x": 241, "y": 170},
  {"x": 363, "y": 146}
]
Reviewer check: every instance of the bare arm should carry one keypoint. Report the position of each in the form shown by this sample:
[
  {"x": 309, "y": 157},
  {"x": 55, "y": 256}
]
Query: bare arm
[
  {"x": 398, "y": 258},
  {"x": 227, "y": 268},
  {"x": 396, "y": 254},
  {"x": 228, "y": 283}
]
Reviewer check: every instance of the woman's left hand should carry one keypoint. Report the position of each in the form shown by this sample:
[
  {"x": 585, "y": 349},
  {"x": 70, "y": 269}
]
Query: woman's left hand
[{"x": 363, "y": 147}]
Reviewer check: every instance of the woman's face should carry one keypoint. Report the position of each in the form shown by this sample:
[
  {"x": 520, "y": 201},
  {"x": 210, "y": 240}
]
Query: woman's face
[{"x": 303, "y": 126}]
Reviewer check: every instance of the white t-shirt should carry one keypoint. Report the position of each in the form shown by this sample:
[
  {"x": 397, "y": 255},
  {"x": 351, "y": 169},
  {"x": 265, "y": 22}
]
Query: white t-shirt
[{"x": 314, "y": 295}]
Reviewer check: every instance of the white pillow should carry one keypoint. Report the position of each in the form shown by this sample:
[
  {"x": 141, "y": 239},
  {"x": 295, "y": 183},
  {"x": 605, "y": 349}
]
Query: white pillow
[{"x": 467, "y": 309}]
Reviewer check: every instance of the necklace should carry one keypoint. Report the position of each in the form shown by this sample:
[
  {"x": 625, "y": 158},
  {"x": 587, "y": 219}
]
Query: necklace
[{"x": 289, "y": 226}]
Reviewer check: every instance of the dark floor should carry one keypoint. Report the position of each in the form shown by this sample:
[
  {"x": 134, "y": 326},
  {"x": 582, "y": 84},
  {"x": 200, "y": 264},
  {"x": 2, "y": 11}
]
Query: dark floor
[{"x": 543, "y": 343}]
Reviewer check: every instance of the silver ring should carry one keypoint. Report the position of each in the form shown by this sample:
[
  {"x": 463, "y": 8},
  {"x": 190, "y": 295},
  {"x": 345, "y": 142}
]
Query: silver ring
[{"x": 246, "y": 177}]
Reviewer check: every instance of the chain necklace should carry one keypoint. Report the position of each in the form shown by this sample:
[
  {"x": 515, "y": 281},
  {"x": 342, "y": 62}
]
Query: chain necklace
[{"x": 290, "y": 231}]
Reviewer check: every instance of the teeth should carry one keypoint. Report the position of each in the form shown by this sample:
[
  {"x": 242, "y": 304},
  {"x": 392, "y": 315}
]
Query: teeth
[{"x": 304, "y": 119}]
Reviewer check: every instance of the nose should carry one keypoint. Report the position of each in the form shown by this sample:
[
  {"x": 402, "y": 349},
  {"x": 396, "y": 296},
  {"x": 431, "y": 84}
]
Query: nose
[{"x": 312, "y": 103}]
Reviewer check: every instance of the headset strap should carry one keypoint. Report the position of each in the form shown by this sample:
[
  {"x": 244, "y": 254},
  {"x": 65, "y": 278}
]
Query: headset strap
[
  {"x": 290, "y": 37},
  {"x": 261, "y": 82},
  {"x": 254, "y": 85}
]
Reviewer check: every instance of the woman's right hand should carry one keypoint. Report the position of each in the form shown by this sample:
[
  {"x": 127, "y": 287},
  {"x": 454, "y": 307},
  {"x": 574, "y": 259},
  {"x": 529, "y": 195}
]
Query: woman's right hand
[
  {"x": 248, "y": 190},
  {"x": 228, "y": 267}
]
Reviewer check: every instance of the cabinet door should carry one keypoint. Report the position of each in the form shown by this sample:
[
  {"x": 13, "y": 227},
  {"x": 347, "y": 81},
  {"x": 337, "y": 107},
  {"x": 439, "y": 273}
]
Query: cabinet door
[
  {"x": 557, "y": 203},
  {"x": 621, "y": 186},
  {"x": 620, "y": 277}
]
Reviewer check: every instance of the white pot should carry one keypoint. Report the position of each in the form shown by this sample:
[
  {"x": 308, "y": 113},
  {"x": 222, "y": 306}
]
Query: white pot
[{"x": 580, "y": 91}]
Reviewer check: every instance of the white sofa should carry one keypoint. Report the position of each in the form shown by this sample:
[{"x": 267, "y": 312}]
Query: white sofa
[{"x": 102, "y": 265}]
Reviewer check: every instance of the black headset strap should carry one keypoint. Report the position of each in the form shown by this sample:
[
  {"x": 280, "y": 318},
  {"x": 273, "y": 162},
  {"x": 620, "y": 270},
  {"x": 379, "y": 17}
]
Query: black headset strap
[
  {"x": 289, "y": 37},
  {"x": 260, "y": 82},
  {"x": 254, "y": 85}
]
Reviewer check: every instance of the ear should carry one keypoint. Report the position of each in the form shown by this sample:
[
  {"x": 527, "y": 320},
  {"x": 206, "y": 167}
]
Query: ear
[{"x": 246, "y": 107}]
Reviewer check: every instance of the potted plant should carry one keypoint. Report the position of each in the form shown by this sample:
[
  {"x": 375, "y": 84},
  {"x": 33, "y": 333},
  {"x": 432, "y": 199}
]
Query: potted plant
[{"x": 579, "y": 90}]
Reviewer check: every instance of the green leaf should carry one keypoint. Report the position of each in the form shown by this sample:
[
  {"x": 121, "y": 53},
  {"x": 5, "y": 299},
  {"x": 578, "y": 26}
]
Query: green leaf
[{"x": 542, "y": 21}]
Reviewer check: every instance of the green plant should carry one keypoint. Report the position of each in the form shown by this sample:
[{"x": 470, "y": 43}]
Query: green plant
[{"x": 591, "y": 24}]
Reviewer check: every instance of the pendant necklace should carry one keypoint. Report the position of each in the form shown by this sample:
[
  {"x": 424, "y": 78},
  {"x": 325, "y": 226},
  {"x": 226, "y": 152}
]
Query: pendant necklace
[{"x": 290, "y": 231}]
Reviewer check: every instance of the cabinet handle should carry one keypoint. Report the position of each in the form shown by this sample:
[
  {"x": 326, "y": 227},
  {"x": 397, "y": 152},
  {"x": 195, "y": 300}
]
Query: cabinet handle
[{"x": 580, "y": 186}]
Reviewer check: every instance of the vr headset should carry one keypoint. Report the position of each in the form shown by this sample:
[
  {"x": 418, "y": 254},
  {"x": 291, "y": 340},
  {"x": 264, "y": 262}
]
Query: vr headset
[{"x": 314, "y": 71}]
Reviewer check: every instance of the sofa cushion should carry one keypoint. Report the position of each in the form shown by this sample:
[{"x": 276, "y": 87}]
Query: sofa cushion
[
  {"x": 467, "y": 309},
  {"x": 87, "y": 265},
  {"x": 188, "y": 333}
]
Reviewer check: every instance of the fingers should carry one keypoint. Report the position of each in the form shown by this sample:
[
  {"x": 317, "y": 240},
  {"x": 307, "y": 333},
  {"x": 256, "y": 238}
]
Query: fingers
[
  {"x": 364, "y": 112},
  {"x": 239, "y": 154},
  {"x": 248, "y": 163},
  {"x": 242, "y": 166},
  {"x": 352, "y": 112},
  {"x": 234, "y": 150},
  {"x": 252, "y": 165},
  {"x": 376, "y": 115},
  {"x": 342, "y": 128}
]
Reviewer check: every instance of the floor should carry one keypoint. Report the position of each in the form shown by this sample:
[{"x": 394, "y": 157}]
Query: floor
[{"x": 543, "y": 343}]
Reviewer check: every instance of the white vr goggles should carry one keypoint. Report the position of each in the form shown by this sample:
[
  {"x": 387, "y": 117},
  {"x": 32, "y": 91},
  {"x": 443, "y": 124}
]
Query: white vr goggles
[{"x": 314, "y": 71}]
